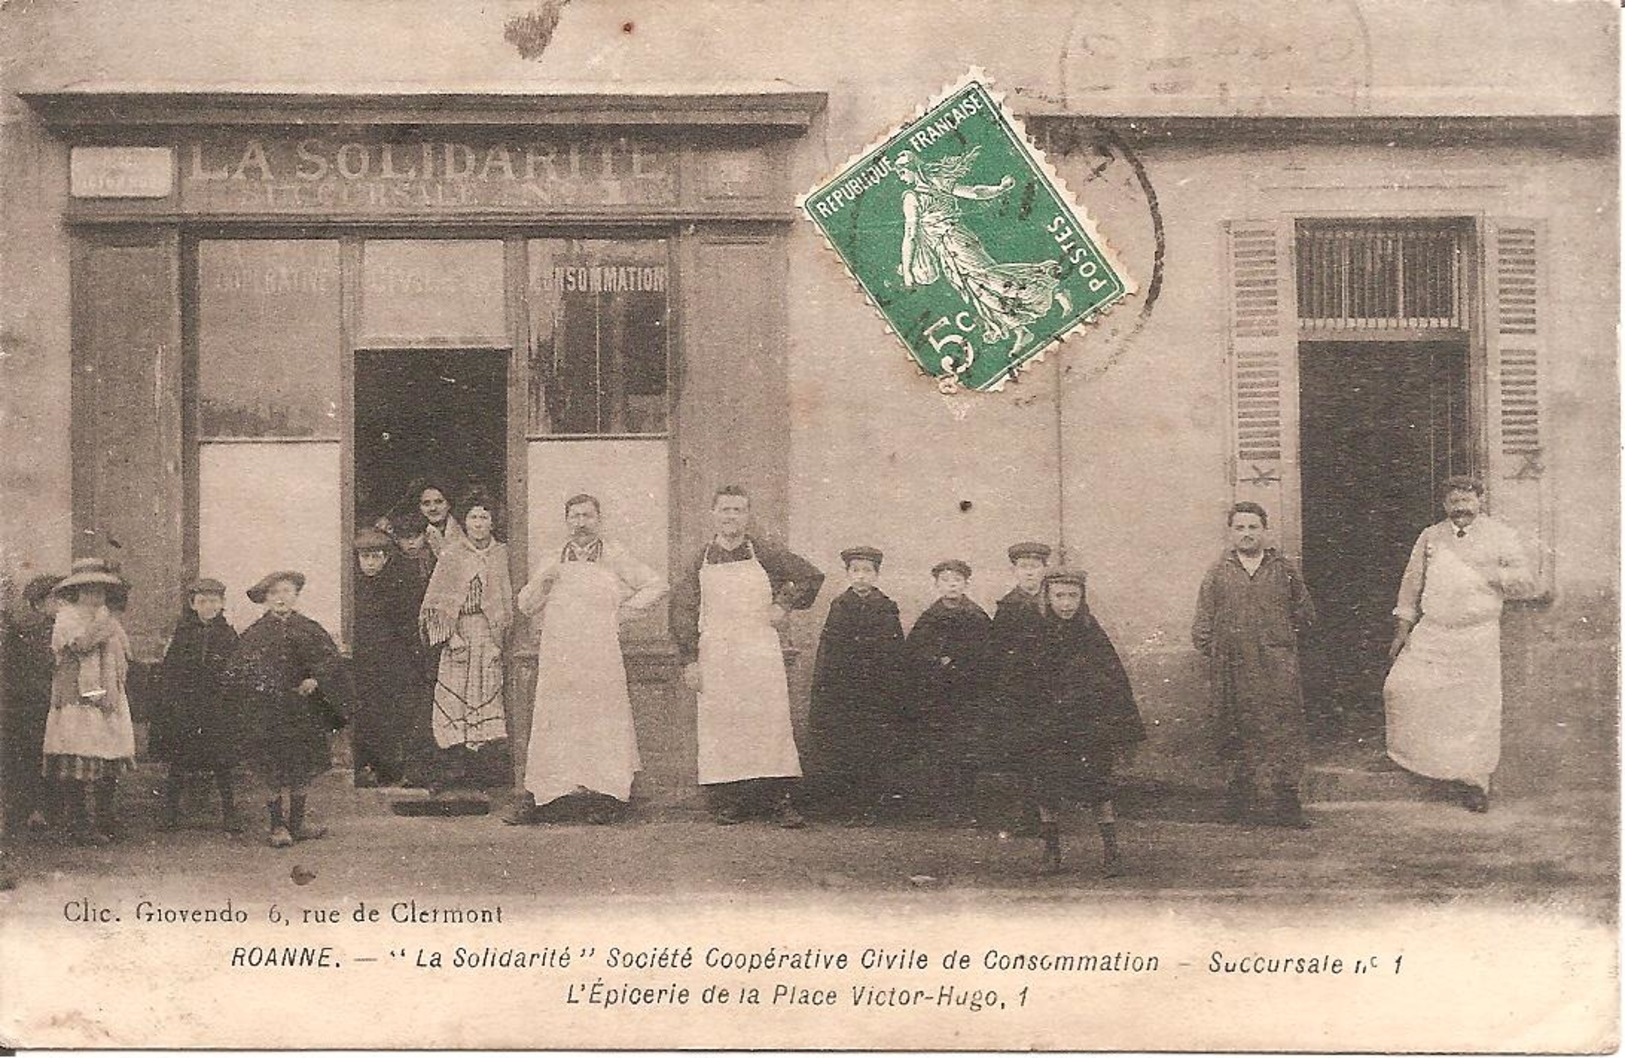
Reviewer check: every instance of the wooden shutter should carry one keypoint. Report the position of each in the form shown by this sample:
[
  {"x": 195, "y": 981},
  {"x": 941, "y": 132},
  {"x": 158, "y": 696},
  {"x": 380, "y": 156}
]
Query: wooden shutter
[
  {"x": 128, "y": 500},
  {"x": 1263, "y": 372},
  {"x": 1517, "y": 324}
]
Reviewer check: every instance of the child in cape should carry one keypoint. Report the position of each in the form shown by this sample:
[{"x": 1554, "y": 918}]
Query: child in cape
[
  {"x": 855, "y": 718},
  {"x": 194, "y": 729},
  {"x": 291, "y": 682},
  {"x": 1080, "y": 719},
  {"x": 949, "y": 657}
]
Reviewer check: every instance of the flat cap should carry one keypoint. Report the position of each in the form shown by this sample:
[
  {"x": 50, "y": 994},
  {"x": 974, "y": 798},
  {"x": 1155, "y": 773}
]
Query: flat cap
[
  {"x": 1063, "y": 575},
  {"x": 205, "y": 586},
  {"x": 955, "y": 565},
  {"x": 873, "y": 554},
  {"x": 1029, "y": 549},
  {"x": 258, "y": 592}
]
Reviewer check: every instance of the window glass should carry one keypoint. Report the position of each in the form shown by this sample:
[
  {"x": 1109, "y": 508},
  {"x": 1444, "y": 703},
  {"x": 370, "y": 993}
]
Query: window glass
[
  {"x": 432, "y": 292},
  {"x": 598, "y": 361},
  {"x": 268, "y": 338}
]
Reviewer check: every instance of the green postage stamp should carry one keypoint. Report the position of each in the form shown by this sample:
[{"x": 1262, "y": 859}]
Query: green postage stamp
[{"x": 966, "y": 242}]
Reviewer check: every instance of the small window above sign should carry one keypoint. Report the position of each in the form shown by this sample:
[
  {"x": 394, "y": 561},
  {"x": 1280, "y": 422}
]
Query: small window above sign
[{"x": 121, "y": 172}]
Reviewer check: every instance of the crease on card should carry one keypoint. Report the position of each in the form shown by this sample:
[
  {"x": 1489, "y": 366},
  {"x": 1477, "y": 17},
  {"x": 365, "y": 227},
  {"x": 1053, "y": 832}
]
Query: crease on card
[{"x": 948, "y": 383}]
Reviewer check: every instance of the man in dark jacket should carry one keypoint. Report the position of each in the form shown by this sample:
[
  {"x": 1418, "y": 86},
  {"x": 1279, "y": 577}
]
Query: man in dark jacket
[
  {"x": 1083, "y": 718},
  {"x": 388, "y": 725},
  {"x": 1252, "y": 607}
]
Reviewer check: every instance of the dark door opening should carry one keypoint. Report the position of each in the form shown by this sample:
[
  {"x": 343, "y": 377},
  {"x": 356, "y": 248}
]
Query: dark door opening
[
  {"x": 427, "y": 415},
  {"x": 1381, "y": 425}
]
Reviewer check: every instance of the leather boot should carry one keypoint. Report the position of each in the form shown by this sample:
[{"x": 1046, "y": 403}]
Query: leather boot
[
  {"x": 107, "y": 823},
  {"x": 171, "y": 819},
  {"x": 80, "y": 827},
  {"x": 229, "y": 818},
  {"x": 1050, "y": 862},
  {"x": 297, "y": 826},
  {"x": 1111, "y": 863},
  {"x": 280, "y": 838},
  {"x": 1288, "y": 808}
]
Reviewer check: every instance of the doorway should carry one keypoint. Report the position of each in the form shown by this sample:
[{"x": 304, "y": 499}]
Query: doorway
[
  {"x": 427, "y": 415},
  {"x": 1382, "y": 424}
]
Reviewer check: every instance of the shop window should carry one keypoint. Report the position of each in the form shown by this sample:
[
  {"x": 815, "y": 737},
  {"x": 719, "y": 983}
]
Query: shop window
[
  {"x": 268, "y": 339},
  {"x": 599, "y": 353},
  {"x": 433, "y": 292}
]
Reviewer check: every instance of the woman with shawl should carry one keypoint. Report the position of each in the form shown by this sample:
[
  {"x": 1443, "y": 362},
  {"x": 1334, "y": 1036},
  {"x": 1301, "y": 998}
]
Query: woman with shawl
[{"x": 466, "y": 613}]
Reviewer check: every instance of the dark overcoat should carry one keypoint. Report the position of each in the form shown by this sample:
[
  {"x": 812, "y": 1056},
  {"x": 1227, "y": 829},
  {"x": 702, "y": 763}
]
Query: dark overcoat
[
  {"x": 288, "y": 733},
  {"x": 950, "y": 665},
  {"x": 194, "y": 726},
  {"x": 856, "y": 713},
  {"x": 1083, "y": 716},
  {"x": 392, "y": 704}
]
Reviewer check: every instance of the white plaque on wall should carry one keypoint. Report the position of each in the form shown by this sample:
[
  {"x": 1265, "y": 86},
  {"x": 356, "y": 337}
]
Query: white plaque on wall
[{"x": 121, "y": 172}]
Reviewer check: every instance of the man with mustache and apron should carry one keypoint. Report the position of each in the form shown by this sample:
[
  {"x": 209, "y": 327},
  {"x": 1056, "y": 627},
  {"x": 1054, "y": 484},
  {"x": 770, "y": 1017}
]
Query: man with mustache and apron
[
  {"x": 583, "y": 748},
  {"x": 725, "y": 616},
  {"x": 1443, "y": 694}
]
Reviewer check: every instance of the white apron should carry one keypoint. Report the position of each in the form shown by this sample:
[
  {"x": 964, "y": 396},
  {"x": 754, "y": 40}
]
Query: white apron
[
  {"x": 744, "y": 700},
  {"x": 1443, "y": 694},
  {"x": 581, "y": 734}
]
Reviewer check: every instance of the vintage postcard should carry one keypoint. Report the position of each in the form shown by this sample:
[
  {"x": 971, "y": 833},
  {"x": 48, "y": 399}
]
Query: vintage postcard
[{"x": 572, "y": 524}]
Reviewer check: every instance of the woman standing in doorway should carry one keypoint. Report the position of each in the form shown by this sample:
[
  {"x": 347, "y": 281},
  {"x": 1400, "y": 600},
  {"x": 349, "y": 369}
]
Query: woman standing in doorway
[{"x": 466, "y": 613}]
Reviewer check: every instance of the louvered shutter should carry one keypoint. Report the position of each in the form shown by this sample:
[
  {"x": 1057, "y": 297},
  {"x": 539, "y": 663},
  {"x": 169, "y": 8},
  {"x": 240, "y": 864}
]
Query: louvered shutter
[
  {"x": 1263, "y": 372},
  {"x": 1517, "y": 325}
]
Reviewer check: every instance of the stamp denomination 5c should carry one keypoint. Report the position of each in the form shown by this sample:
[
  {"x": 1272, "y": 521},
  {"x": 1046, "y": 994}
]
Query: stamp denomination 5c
[{"x": 966, "y": 241}]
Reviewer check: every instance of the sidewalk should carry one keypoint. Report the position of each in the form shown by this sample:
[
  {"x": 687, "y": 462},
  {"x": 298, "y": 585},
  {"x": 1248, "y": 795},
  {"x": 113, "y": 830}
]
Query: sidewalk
[{"x": 1559, "y": 848}]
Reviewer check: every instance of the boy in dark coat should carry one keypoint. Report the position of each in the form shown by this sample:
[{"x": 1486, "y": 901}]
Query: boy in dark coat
[
  {"x": 949, "y": 654},
  {"x": 194, "y": 729},
  {"x": 855, "y": 718},
  {"x": 1018, "y": 622},
  {"x": 293, "y": 689},
  {"x": 27, "y": 665},
  {"x": 1083, "y": 718},
  {"x": 387, "y": 663}
]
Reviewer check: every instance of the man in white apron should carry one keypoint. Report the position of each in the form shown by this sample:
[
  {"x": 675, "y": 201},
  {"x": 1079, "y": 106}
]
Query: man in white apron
[
  {"x": 582, "y": 744},
  {"x": 725, "y": 616},
  {"x": 1443, "y": 693}
]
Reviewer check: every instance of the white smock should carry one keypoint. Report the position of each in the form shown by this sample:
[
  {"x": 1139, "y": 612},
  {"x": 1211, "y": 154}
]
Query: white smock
[
  {"x": 744, "y": 701},
  {"x": 581, "y": 731}
]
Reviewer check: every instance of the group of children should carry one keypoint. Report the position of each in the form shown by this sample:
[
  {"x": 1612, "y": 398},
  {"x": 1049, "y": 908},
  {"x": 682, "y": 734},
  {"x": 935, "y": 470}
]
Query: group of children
[
  {"x": 269, "y": 698},
  {"x": 1036, "y": 692}
]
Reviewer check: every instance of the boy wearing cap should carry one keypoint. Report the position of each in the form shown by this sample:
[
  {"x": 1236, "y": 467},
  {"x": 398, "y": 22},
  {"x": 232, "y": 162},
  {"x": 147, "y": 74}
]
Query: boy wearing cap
[
  {"x": 193, "y": 729},
  {"x": 292, "y": 687},
  {"x": 391, "y": 725},
  {"x": 1082, "y": 717},
  {"x": 949, "y": 654},
  {"x": 1018, "y": 621},
  {"x": 854, "y": 717}
]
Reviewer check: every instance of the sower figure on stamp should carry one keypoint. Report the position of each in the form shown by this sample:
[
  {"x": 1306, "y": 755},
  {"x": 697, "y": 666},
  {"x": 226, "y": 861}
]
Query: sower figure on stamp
[
  {"x": 1252, "y": 608},
  {"x": 583, "y": 746},
  {"x": 195, "y": 728},
  {"x": 949, "y": 651},
  {"x": 293, "y": 690},
  {"x": 725, "y": 616},
  {"x": 1080, "y": 720},
  {"x": 1443, "y": 694},
  {"x": 857, "y": 679}
]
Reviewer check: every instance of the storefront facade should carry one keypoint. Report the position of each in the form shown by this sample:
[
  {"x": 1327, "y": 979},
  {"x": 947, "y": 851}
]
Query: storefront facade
[{"x": 274, "y": 311}]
